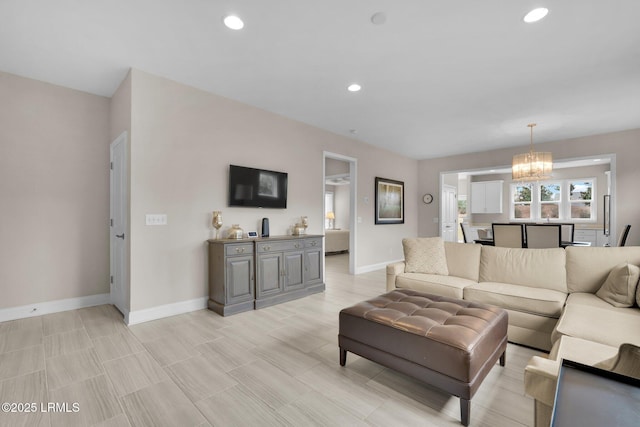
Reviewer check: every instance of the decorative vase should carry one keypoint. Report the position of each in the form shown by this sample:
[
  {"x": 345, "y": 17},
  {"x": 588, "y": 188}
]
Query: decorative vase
[
  {"x": 217, "y": 222},
  {"x": 236, "y": 232}
]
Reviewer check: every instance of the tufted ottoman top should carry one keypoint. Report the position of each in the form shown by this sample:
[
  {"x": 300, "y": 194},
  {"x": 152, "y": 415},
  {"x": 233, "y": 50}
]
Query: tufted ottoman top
[{"x": 451, "y": 336}]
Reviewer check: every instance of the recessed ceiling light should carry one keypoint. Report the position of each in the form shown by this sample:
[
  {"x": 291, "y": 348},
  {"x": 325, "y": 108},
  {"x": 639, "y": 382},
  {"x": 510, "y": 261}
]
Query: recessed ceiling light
[
  {"x": 233, "y": 22},
  {"x": 535, "y": 15},
  {"x": 354, "y": 87}
]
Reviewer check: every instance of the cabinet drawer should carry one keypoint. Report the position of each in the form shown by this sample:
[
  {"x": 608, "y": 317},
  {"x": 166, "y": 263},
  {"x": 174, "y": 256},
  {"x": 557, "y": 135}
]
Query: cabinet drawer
[
  {"x": 313, "y": 243},
  {"x": 280, "y": 246},
  {"x": 240, "y": 249}
]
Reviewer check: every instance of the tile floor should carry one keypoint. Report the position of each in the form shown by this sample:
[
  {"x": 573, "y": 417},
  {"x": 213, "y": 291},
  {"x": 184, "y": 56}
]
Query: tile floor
[{"x": 276, "y": 366}]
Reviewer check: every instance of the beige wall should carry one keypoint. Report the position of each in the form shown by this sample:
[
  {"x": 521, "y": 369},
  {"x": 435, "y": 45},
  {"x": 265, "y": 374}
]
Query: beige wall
[
  {"x": 182, "y": 143},
  {"x": 54, "y": 187},
  {"x": 625, "y": 144}
]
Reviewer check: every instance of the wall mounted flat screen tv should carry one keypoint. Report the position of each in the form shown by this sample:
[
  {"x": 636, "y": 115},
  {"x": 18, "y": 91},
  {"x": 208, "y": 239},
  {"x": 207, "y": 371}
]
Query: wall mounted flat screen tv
[{"x": 257, "y": 188}]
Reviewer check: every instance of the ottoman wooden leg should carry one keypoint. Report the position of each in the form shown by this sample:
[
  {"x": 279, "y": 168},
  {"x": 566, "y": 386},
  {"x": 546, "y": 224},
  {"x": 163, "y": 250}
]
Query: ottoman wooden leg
[
  {"x": 503, "y": 358},
  {"x": 343, "y": 356},
  {"x": 465, "y": 411}
]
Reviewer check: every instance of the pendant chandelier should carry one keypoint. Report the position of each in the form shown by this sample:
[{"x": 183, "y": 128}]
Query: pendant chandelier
[{"x": 532, "y": 166}]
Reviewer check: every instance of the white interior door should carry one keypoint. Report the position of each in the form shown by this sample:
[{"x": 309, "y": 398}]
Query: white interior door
[
  {"x": 118, "y": 238},
  {"x": 449, "y": 223}
]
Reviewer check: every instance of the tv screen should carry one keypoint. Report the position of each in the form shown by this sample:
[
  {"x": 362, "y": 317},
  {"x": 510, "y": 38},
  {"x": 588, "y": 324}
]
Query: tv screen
[{"x": 257, "y": 188}]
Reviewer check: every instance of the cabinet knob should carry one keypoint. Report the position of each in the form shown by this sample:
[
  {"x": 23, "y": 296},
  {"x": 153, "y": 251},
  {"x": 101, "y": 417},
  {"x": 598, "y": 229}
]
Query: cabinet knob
[
  {"x": 297, "y": 245},
  {"x": 313, "y": 243},
  {"x": 239, "y": 250}
]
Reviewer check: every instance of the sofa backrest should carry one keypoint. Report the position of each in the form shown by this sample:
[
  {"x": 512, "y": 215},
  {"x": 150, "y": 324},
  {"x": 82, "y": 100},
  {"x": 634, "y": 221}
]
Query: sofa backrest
[
  {"x": 538, "y": 268},
  {"x": 463, "y": 260},
  {"x": 588, "y": 267}
]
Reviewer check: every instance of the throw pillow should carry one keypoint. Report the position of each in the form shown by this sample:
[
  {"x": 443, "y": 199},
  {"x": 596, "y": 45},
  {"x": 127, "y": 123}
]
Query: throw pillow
[
  {"x": 425, "y": 255},
  {"x": 619, "y": 289}
]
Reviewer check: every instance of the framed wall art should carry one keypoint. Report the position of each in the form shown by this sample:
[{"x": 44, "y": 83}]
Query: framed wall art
[{"x": 389, "y": 201}]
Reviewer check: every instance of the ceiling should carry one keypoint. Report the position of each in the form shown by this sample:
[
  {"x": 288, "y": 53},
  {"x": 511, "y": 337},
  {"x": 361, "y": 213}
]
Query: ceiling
[{"x": 438, "y": 77}]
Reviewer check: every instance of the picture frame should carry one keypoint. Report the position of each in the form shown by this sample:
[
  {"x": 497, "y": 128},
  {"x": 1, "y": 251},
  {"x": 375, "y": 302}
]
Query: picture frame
[{"x": 389, "y": 203}]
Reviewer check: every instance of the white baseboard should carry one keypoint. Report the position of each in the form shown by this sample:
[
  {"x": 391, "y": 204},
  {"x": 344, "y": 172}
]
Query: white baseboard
[
  {"x": 374, "y": 267},
  {"x": 158, "y": 312},
  {"x": 48, "y": 307}
]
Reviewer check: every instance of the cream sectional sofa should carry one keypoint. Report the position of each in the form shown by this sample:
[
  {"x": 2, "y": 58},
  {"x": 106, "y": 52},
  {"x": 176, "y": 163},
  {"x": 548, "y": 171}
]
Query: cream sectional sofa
[{"x": 550, "y": 295}]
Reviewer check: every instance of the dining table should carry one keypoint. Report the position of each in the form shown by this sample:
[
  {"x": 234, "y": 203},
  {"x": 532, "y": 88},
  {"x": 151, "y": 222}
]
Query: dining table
[{"x": 489, "y": 242}]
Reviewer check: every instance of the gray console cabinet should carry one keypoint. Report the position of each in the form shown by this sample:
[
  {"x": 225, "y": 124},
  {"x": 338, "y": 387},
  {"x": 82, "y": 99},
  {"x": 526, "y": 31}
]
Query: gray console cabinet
[{"x": 286, "y": 268}]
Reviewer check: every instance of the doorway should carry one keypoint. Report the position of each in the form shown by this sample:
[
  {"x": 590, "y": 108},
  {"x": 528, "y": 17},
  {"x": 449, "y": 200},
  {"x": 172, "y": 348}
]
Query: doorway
[
  {"x": 119, "y": 232},
  {"x": 339, "y": 177}
]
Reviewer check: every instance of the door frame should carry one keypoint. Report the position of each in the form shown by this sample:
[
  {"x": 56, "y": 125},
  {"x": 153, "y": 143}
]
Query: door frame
[{"x": 353, "y": 197}]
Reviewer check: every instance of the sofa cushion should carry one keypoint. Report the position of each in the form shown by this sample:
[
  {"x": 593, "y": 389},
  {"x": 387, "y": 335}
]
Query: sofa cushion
[
  {"x": 588, "y": 267},
  {"x": 534, "y": 300},
  {"x": 425, "y": 255},
  {"x": 447, "y": 286},
  {"x": 536, "y": 268},
  {"x": 463, "y": 260},
  {"x": 619, "y": 289},
  {"x": 588, "y": 317}
]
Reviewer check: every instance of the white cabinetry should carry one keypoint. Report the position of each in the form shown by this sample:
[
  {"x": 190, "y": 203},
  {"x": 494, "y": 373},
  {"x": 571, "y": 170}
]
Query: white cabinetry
[
  {"x": 595, "y": 237},
  {"x": 486, "y": 197}
]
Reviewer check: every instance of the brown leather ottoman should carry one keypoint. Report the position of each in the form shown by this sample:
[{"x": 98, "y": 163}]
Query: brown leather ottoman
[{"x": 445, "y": 342}]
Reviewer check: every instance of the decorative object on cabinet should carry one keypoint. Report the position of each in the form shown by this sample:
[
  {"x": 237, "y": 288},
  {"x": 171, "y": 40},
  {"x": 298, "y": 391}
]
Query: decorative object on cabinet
[
  {"x": 217, "y": 222},
  {"x": 389, "y": 201},
  {"x": 532, "y": 166},
  {"x": 252, "y": 234},
  {"x": 300, "y": 229},
  {"x": 263, "y": 272},
  {"x": 235, "y": 232}
]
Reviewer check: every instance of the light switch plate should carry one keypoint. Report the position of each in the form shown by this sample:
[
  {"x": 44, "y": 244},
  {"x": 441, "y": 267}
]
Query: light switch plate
[{"x": 156, "y": 219}]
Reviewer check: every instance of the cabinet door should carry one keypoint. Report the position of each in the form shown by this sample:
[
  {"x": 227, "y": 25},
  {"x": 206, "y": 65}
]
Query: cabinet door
[
  {"x": 486, "y": 197},
  {"x": 270, "y": 272},
  {"x": 313, "y": 266},
  {"x": 493, "y": 197},
  {"x": 239, "y": 280},
  {"x": 585, "y": 236},
  {"x": 478, "y": 191},
  {"x": 293, "y": 270}
]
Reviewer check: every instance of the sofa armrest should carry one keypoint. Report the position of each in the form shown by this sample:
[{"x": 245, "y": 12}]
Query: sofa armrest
[
  {"x": 540, "y": 379},
  {"x": 392, "y": 271}
]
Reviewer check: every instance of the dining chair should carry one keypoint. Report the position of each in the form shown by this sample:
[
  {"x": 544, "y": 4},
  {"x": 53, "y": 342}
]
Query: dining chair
[
  {"x": 623, "y": 236},
  {"x": 543, "y": 235},
  {"x": 463, "y": 226},
  {"x": 508, "y": 235},
  {"x": 567, "y": 232}
]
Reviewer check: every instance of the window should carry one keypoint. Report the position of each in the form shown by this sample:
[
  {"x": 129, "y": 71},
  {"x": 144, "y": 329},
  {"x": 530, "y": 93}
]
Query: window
[
  {"x": 550, "y": 197},
  {"x": 521, "y": 201},
  {"x": 580, "y": 199},
  {"x": 572, "y": 199},
  {"x": 462, "y": 206}
]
